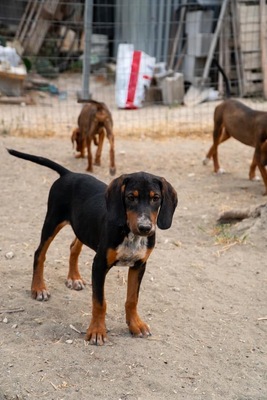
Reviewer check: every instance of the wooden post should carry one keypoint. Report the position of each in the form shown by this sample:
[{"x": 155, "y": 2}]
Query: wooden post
[
  {"x": 214, "y": 42},
  {"x": 88, "y": 21},
  {"x": 238, "y": 55},
  {"x": 263, "y": 43}
]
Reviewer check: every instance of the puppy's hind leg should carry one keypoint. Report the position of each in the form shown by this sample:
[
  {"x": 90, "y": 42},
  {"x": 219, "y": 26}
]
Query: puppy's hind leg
[
  {"x": 220, "y": 135},
  {"x": 213, "y": 149},
  {"x": 50, "y": 230},
  {"x": 74, "y": 279},
  {"x": 101, "y": 136},
  {"x": 257, "y": 163}
]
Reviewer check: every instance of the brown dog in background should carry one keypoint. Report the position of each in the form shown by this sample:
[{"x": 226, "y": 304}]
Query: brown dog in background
[
  {"x": 94, "y": 120},
  {"x": 233, "y": 119}
]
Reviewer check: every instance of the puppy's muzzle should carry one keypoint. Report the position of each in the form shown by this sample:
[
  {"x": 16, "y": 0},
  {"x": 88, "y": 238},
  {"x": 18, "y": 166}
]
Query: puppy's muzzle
[
  {"x": 145, "y": 226},
  {"x": 144, "y": 229}
]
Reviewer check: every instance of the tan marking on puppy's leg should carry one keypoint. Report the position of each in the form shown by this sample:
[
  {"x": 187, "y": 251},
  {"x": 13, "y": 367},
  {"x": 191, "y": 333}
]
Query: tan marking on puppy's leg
[{"x": 74, "y": 279}]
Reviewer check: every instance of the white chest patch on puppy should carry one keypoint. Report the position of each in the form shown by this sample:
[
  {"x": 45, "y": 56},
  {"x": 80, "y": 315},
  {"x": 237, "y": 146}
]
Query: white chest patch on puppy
[{"x": 132, "y": 249}]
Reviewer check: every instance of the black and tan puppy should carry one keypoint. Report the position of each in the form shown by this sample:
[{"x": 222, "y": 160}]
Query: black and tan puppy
[
  {"x": 117, "y": 221},
  {"x": 233, "y": 119},
  {"x": 93, "y": 122}
]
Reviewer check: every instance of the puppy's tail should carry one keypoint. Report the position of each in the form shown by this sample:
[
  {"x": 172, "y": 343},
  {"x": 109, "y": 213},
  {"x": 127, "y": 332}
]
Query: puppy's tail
[
  {"x": 41, "y": 161},
  {"x": 225, "y": 79}
]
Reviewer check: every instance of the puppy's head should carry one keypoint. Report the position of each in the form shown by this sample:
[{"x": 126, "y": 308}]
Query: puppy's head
[
  {"x": 141, "y": 201},
  {"x": 77, "y": 137}
]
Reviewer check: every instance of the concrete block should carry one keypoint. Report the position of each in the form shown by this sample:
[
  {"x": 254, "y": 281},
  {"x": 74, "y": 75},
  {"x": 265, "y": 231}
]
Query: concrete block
[
  {"x": 11, "y": 84},
  {"x": 199, "y": 22},
  {"x": 173, "y": 89},
  {"x": 193, "y": 67},
  {"x": 199, "y": 45}
]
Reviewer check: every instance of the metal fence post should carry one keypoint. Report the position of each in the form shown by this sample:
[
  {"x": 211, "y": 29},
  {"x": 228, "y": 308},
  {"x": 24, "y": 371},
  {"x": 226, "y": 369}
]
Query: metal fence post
[{"x": 88, "y": 20}]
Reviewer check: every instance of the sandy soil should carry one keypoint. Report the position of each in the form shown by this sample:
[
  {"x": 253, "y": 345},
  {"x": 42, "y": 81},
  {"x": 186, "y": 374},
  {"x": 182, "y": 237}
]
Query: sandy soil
[{"x": 203, "y": 295}]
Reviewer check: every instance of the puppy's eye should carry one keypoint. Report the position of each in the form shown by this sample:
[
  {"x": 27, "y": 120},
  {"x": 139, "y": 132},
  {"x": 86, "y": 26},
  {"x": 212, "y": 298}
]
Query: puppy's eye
[
  {"x": 155, "y": 198},
  {"x": 130, "y": 197}
]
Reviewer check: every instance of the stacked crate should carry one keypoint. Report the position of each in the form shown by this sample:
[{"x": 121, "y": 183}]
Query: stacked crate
[
  {"x": 250, "y": 47},
  {"x": 198, "y": 28}
]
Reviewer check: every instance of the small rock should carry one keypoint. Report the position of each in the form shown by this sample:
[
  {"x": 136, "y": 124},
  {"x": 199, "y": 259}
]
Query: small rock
[
  {"x": 69, "y": 341},
  {"x": 9, "y": 255},
  {"x": 5, "y": 320}
]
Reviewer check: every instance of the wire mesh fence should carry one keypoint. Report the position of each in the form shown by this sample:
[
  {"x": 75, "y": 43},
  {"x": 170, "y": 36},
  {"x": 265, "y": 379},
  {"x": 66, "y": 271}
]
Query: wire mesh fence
[{"x": 184, "y": 42}]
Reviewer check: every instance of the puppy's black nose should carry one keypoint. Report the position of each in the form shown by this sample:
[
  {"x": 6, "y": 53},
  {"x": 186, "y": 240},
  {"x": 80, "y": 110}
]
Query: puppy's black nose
[{"x": 144, "y": 228}]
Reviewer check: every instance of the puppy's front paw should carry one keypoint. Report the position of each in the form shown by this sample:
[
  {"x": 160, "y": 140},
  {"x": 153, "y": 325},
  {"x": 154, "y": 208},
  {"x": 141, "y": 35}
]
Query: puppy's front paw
[
  {"x": 75, "y": 284},
  {"x": 255, "y": 178},
  {"x": 220, "y": 171},
  {"x": 138, "y": 328},
  {"x": 40, "y": 295},
  {"x": 96, "y": 334}
]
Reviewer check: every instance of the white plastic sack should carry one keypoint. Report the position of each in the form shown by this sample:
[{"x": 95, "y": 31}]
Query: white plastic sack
[
  {"x": 10, "y": 56},
  {"x": 133, "y": 73}
]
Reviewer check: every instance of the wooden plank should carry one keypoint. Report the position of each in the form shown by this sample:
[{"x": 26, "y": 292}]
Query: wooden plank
[
  {"x": 34, "y": 24},
  {"x": 252, "y": 88},
  {"x": 27, "y": 17},
  {"x": 23, "y": 20},
  {"x": 10, "y": 75},
  {"x": 249, "y": 14},
  {"x": 16, "y": 100},
  {"x": 253, "y": 76},
  {"x": 250, "y": 41},
  {"x": 178, "y": 37},
  {"x": 35, "y": 41},
  {"x": 251, "y": 60},
  {"x": 214, "y": 41},
  {"x": 238, "y": 53},
  {"x": 263, "y": 41},
  {"x": 50, "y": 6}
]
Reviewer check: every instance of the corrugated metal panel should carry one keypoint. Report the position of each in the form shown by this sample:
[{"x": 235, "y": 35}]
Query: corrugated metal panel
[{"x": 146, "y": 24}]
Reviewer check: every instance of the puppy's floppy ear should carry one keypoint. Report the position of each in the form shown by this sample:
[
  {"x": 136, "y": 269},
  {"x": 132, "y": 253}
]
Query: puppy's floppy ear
[
  {"x": 115, "y": 201},
  {"x": 168, "y": 204}
]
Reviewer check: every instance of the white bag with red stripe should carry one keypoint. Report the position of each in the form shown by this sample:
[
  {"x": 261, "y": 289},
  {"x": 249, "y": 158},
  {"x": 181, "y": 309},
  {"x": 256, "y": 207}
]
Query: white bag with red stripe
[{"x": 134, "y": 72}]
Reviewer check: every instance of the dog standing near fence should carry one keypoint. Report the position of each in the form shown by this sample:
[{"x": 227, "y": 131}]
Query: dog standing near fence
[
  {"x": 234, "y": 119},
  {"x": 94, "y": 121}
]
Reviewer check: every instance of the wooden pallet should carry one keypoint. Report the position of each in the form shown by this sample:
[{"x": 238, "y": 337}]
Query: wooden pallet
[
  {"x": 242, "y": 44},
  {"x": 250, "y": 47},
  {"x": 35, "y": 23}
]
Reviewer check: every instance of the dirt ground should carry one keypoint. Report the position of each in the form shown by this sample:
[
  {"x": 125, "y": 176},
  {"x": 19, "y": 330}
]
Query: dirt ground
[{"x": 203, "y": 295}]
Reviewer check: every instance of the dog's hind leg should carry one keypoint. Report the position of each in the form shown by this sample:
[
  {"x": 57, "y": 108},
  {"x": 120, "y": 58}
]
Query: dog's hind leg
[
  {"x": 220, "y": 135},
  {"x": 216, "y": 138},
  {"x": 50, "y": 230},
  {"x": 256, "y": 163},
  {"x": 89, "y": 155},
  {"x": 112, "y": 167},
  {"x": 74, "y": 279},
  {"x": 108, "y": 124},
  {"x": 101, "y": 136},
  {"x": 253, "y": 166}
]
